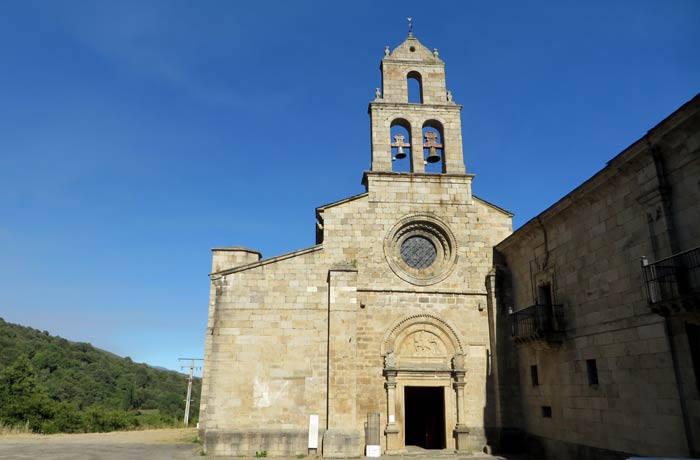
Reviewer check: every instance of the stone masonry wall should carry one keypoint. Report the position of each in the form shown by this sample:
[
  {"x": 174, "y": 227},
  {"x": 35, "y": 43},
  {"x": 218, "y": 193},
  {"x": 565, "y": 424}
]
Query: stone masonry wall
[
  {"x": 278, "y": 324},
  {"x": 341, "y": 329},
  {"x": 356, "y": 232},
  {"x": 588, "y": 246},
  {"x": 267, "y": 352}
]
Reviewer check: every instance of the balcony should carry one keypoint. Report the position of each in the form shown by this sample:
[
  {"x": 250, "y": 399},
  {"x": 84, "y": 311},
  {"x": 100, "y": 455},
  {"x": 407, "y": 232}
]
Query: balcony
[
  {"x": 538, "y": 323},
  {"x": 673, "y": 285}
]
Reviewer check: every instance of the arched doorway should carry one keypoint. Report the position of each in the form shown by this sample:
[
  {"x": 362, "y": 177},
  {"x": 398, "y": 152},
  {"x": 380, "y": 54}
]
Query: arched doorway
[{"x": 424, "y": 372}]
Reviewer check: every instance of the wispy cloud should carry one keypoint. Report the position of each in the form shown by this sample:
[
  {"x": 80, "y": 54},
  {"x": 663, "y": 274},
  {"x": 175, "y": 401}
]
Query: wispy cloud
[{"x": 153, "y": 41}]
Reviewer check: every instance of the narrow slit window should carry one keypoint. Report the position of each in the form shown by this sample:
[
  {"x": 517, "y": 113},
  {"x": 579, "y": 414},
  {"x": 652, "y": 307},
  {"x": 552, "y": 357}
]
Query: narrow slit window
[
  {"x": 592, "y": 369},
  {"x": 534, "y": 378}
]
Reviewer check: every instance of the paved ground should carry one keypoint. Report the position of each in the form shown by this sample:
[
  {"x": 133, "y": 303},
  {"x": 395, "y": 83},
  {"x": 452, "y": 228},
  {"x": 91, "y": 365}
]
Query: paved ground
[{"x": 146, "y": 445}]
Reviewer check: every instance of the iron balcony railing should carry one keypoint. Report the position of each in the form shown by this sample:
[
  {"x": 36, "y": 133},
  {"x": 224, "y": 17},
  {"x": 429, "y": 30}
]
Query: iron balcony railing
[
  {"x": 673, "y": 282},
  {"x": 538, "y": 322}
]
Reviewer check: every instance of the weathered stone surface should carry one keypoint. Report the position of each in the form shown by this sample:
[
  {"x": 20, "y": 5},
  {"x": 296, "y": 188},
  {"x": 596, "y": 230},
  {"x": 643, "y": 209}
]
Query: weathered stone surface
[
  {"x": 353, "y": 325},
  {"x": 341, "y": 443},
  {"x": 588, "y": 247},
  {"x": 308, "y": 332},
  {"x": 275, "y": 442}
]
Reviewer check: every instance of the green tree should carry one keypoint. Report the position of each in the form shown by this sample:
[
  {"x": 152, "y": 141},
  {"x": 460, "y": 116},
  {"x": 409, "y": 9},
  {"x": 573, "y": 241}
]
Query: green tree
[
  {"x": 54, "y": 384},
  {"x": 21, "y": 398}
]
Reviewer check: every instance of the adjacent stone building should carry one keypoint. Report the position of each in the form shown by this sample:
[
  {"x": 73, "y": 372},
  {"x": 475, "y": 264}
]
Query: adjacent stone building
[
  {"x": 419, "y": 320},
  {"x": 605, "y": 289}
]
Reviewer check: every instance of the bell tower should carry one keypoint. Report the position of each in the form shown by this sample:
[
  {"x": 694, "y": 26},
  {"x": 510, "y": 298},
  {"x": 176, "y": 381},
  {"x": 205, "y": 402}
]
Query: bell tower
[{"x": 416, "y": 126}]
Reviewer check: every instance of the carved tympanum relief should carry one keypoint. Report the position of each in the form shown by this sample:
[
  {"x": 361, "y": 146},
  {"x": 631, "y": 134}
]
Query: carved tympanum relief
[{"x": 422, "y": 344}]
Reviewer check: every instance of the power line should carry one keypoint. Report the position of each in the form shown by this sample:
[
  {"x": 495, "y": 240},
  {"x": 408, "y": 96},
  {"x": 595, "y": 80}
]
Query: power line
[{"x": 192, "y": 368}]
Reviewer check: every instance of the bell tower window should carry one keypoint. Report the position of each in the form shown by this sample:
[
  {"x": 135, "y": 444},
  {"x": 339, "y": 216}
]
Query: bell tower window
[
  {"x": 401, "y": 146},
  {"x": 414, "y": 82},
  {"x": 433, "y": 148}
]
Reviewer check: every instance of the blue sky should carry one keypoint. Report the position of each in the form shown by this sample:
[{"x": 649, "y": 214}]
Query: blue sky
[{"x": 136, "y": 135}]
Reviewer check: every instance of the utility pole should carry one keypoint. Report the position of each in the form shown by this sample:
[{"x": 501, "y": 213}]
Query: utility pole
[{"x": 192, "y": 368}]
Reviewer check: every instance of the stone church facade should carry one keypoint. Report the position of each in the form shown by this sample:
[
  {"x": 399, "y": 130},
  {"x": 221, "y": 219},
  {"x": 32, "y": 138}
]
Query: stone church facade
[
  {"x": 418, "y": 310},
  {"x": 389, "y": 309}
]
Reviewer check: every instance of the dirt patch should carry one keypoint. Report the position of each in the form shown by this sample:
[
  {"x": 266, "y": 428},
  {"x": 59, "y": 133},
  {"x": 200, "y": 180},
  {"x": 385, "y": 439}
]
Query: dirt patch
[
  {"x": 164, "y": 436},
  {"x": 167, "y": 444}
]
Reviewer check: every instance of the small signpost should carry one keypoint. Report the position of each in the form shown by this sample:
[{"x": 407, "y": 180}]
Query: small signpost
[{"x": 313, "y": 432}]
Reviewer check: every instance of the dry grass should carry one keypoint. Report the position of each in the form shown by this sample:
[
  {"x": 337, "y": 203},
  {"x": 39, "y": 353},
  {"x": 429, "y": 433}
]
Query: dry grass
[
  {"x": 162, "y": 436},
  {"x": 6, "y": 430}
]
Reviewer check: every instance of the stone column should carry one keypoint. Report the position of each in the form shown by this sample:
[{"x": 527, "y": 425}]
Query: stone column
[
  {"x": 392, "y": 430},
  {"x": 417, "y": 158},
  {"x": 461, "y": 431}
]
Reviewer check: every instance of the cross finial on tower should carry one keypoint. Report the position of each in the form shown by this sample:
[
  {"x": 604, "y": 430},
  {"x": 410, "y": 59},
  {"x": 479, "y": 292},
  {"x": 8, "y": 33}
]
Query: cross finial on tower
[{"x": 410, "y": 27}]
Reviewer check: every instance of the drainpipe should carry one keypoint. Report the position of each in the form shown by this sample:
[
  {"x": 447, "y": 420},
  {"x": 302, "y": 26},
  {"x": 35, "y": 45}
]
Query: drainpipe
[
  {"x": 672, "y": 238},
  {"x": 681, "y": 394}
]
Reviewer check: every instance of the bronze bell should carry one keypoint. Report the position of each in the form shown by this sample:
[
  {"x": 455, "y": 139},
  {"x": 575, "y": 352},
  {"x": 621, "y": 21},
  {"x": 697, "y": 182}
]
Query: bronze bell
[
  {"x": 399, "y": 144},
  {"x": 400, "y": 154},
  {"x": 432, "y": 144},
  {"x": 433, "y": 157}
]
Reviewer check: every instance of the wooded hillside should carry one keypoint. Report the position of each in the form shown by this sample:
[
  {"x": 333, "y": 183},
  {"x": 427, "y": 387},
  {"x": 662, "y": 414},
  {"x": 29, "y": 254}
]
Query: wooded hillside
[{"x": 52, "y": 384}]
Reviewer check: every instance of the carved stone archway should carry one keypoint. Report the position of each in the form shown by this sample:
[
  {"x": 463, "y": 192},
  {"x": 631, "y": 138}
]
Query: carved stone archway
[{"x": 423, "y": 350}]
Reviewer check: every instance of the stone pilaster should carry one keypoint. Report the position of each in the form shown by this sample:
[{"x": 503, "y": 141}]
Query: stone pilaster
[
  {"x": 342, "y": 347},
  {"x": 393, "y": 443},
  {"x": 461, "y": 432}
]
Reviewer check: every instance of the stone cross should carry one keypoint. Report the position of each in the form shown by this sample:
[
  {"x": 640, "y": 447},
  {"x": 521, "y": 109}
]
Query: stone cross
[
  {"x": 410, "y": 26},
  {"x": 431, "y": 140}
]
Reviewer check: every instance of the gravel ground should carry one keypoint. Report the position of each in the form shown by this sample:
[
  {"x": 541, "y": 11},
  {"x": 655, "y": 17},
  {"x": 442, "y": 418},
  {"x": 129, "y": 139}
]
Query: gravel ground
[
  {"x": 130, "y": 445},
  {"x": 172, "y": 444}
]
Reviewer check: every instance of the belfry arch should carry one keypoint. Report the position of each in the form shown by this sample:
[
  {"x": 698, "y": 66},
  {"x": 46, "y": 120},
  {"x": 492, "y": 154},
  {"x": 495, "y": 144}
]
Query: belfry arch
[
  {"x": 433, "y": 135},
  {"x": 400, "y": 143},
  {"x": 424, "y": 358},
  {"x": 414, "y": 88}
]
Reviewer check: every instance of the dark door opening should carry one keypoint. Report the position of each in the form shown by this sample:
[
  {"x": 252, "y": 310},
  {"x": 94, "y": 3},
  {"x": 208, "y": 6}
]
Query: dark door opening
[{"x": 425, "y": 417}]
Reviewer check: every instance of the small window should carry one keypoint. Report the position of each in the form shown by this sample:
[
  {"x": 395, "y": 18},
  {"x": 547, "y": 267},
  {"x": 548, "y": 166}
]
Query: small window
[
  {"x": 533, "y": 376},
  {"x": 544, "y": 294},
  {"x": 547, "y": 411},
  {"x": 592, "y": 369}
]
